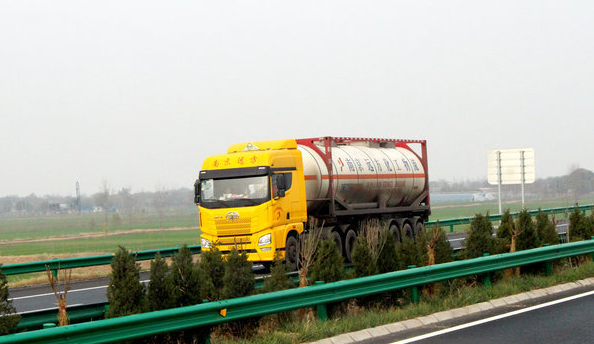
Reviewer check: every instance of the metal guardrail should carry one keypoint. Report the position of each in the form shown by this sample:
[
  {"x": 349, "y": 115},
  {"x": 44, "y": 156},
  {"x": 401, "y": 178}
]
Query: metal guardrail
[
  {"x": 466, "y": 220},
  {"x": 206, "y": 314},
  {"x": 79, "y": 262},
  {"x": 96, "y": 311}
]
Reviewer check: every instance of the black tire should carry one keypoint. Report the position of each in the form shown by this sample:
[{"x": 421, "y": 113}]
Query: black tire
[
  {"x": 418, "y": 227},
  {"x": 291, "y": 253},
  {"x": 396, "y": 232},
  {"x": 337, "y": 240},
  {"x": 408, "y": 230},
  {"x": 349, "y": 245}
]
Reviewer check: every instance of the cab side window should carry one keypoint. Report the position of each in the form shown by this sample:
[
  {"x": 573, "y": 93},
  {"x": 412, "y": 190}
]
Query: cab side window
[{"x": 279, "y": 180}]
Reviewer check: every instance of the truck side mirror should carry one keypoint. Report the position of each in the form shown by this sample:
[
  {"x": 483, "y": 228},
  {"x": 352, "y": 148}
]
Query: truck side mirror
[{"x": 197, "y": 192}]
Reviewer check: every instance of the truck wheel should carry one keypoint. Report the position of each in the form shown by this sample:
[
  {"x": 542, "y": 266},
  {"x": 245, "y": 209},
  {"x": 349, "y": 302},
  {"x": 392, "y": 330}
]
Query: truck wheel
[
  {"x": 407, "y": 230},
  {"x": 396, "y": 232},
  {"x": 418, "y": 227},
  {"x": 337, "y": 240},
  {"x": 291, "y": 254},
  {"x": 349, "y": 244}
]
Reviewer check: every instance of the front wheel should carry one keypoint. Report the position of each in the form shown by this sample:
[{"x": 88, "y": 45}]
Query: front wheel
[{"x": 291, "y": 253}]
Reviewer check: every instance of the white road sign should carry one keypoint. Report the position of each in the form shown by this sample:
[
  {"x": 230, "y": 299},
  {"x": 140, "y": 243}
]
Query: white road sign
[{"x": 511, "y": 166}]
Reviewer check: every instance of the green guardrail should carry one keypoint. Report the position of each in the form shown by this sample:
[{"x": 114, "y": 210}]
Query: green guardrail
[
  {"x": 466, "y": 220},
  {"x": 206, "y": 314},
  {"x": 96, "y": 311},
  {"x": 79, "y": 262}
]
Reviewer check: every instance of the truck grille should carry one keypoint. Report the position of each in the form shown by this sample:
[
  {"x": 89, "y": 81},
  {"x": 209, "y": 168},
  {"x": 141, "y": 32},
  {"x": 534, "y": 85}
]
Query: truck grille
[
  {"x": 237, "y": 227},
  {"x": 235, "y": 241}
]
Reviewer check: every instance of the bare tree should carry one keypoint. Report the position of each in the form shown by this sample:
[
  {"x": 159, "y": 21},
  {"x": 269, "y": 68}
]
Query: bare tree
[
  {"x": 375, "y": 235},
  {"x": 515, "y": 232},
  {"x": 55, "y": 282},
  {"x": 103, "y": 199},
  {"x": 308, "y": 249}
]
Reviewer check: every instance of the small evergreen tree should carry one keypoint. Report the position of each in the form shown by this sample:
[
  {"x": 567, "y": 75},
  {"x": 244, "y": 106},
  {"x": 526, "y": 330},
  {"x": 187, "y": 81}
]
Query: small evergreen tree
[
  {"x": 328, "y": 265},
  {"x": 388, "y": 260},
  {"x": 184, "y": 278},
  {"x": 443, "y": 250},
  {"x": 212, "y": 270},
  {"x": 528, "y": 237},
  {"x": 408, "y": 253},
  {"x": 160, "y": 290},
  {"x": 8, "y": 319},
  {"x": 578, "y": 226},
  {"x": 185, "y": 281},
  {"x": 238, "y": 279},
  {"x": 125, "y": 293},
  {"x": 480, "y": 237},
  {"x": 503, "y": 232},
  {"x": 546, "y": 229},
  {"x": 362, "y": 259},
  {"x": 278, "y": 279}
]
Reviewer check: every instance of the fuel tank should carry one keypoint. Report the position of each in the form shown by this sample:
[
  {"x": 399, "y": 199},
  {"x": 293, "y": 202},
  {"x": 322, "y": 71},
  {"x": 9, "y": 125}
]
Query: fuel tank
[{"x": 363, "y": 176}]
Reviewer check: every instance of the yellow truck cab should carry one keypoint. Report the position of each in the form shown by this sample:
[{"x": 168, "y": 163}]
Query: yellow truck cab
[{"x": 251, "y": 198}]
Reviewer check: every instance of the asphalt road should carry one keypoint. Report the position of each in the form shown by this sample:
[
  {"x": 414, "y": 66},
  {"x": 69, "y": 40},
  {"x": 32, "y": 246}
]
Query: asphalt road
[{"x": 564, "y": 319}]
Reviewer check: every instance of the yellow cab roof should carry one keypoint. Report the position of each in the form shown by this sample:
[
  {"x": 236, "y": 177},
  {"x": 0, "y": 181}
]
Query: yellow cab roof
[{"x": 248, "y": 154}]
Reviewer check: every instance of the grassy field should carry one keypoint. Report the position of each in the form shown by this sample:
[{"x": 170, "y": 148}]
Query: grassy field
[
  {"x": 56, "y": 225},
  {"x": 71, "y": 233}
]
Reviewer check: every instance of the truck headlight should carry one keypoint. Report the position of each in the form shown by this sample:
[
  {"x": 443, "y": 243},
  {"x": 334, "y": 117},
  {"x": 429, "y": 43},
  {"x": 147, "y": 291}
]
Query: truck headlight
[
  {"x": 205, "y": 243},
  {"x": 264, "y": 240}
]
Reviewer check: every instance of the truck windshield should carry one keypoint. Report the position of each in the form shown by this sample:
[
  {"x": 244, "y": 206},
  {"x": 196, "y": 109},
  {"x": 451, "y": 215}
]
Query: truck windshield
[{"x": 234, "y": 192}]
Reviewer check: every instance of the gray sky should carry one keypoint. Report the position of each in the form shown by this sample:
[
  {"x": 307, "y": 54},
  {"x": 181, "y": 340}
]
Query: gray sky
[{"x": 139, "y": 93}]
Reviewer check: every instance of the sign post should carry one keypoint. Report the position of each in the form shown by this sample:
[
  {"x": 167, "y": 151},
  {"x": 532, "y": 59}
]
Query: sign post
[{"x": 510, "y": 166}]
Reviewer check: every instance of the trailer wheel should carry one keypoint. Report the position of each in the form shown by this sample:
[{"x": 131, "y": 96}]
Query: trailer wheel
[
  {"x": 349, "y": 244},
  {"x": 337, "y": 240},
  {"x": 291, "y": 253},
  {"x": 396, "y": 232},
  {"x": 418, "y": 227},
  {"x": 408, "y": 230}
]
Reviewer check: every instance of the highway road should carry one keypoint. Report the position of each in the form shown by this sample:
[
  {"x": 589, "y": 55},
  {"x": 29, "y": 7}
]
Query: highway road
[{"x": 563, "y": 319}]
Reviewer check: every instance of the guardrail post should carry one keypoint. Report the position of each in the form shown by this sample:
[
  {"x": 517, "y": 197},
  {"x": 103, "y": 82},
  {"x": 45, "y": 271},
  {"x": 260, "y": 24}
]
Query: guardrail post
[
  {"x": 321, "y": 308},
  {"x": 208, "y": 329},
  {"x": 414, "y": 290},
  {"x": 592, "y": 238},
  {"x": 548, "y": 263},
  {"x": 487, "y": 276},
  {"x": 451, "y": 228}
]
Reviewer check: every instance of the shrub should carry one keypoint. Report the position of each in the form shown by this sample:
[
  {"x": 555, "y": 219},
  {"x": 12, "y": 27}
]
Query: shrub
[
  {"x": 125, "y": 293},
  {"x": 185, "y": 281},
  {"x": 388, "y": 260},
  {"x": 278, "y": 279},
  {"x": 8, "y": 319},
  {"x": 408, "y": 253},
  {"x": 212, "y": 270},
  {"x": 362, "y": 260},
  {"x": 160, "y": 289},
  {"x": 480, "y": 237},
  {"x": 527, "y": 238},
  {"x": 545, "y": 229},
  {"x": 578, "y": 226},
  {"x": 504, "y": 230},
  {"x": 328, "y": 265},
  {"x": 238, "y": 279}
]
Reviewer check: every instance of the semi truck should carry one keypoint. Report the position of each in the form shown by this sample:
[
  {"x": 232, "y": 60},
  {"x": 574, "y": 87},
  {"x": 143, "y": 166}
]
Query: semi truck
[{"x": 260, "y": 196}]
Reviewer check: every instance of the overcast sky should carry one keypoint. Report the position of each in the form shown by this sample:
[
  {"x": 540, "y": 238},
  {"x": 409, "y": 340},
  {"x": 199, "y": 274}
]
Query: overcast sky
[{"x": 138, "y": 93}]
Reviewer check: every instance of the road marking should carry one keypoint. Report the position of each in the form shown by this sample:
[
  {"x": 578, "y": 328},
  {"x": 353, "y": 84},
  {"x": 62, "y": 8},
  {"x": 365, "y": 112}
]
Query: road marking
[
  {"x": 48, "y": 309},
  {"x": 494, "y": 318},
  {"x": 69, "y": 292}
]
